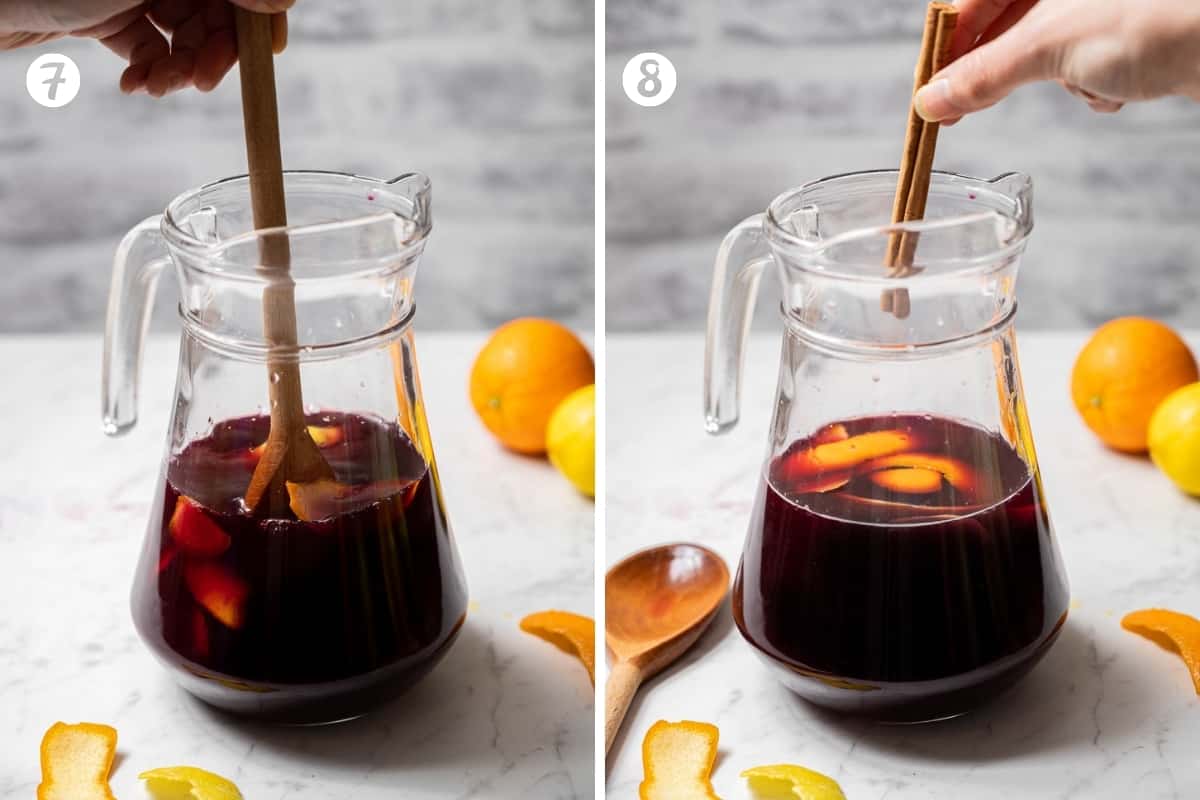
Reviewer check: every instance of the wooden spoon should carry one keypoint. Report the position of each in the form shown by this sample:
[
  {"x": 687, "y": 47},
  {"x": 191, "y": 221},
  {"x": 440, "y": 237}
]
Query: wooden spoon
[
  {"x": 290, "y": 453},
  {"x": 657, "y": 603}
]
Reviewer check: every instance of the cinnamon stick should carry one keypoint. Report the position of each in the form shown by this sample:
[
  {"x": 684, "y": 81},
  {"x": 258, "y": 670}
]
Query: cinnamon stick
[{"x": 920, "y": 142}]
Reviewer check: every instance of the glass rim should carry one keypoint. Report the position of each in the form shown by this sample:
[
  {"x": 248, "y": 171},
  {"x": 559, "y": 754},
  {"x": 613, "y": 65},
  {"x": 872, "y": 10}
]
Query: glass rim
[
  {"x": 867, "y": 351},
  {"x": 240, "y": 349},
  {"x": 178, "y": 238},
  {"x": 1014, "y": 188}
]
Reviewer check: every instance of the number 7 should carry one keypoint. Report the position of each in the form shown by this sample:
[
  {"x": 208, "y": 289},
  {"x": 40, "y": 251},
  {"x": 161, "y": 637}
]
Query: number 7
[{"x": 54, "y": 82}]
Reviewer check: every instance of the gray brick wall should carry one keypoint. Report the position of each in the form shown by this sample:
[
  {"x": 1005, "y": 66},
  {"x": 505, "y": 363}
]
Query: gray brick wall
[
  {"x": 773, "y": 93},
  {"x": 491, "y": 98}
]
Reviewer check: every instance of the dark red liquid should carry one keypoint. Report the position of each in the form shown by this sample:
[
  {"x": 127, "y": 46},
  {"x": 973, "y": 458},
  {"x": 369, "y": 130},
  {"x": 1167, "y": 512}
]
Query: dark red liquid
[
  {"x": 910, "y": 585},
  {"x": 294, "y": 620}
]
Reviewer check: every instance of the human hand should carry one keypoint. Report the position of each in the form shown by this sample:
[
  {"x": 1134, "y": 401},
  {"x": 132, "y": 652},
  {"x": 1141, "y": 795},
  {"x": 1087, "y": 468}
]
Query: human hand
[
  {"x": 1107, "y": 52},
  {"x": 202, "y": 47}
]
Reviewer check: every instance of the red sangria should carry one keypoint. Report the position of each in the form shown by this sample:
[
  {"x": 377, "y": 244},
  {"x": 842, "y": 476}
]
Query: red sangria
[
  {"x": 315, "y": 615},
  {"x": 900, "y": 567}
]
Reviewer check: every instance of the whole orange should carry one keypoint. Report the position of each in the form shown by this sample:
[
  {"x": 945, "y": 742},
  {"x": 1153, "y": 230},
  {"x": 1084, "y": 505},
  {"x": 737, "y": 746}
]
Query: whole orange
[
  {"x": 522, "y": 374},
  {"x": 1123, "y": 373}
]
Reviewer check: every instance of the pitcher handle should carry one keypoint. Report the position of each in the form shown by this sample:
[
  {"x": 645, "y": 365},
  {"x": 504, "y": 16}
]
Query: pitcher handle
[
  {"x": 139, "y": 262},
  {"x": 738, "y": 269}
]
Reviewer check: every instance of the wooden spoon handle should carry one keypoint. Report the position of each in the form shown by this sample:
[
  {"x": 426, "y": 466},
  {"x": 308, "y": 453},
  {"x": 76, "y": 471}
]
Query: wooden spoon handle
[
  {"x": 290, "y": 455},
  {"x": 260, "y": 112},
  {"x": 623, "y": 682}
]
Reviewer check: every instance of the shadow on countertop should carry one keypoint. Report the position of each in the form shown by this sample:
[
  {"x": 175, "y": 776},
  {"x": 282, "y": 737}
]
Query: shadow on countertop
[
  {"x": 1063, "y": 704},
  {"x": 470, "y": 713}
]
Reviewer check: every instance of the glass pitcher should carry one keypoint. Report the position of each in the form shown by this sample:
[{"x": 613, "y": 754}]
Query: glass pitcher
[
  {"x": 355, "y": 591},
  {"x": 899, "y": 562}
]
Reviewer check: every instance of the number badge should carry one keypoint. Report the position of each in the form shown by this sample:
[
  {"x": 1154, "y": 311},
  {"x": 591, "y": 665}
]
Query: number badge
[
  {"x": 52, "y": 80},
  {"x": 649, "y": 79}
]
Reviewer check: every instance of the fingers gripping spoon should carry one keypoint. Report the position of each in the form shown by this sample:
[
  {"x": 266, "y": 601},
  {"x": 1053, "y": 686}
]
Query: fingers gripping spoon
[{"x": 290, "y": 454}]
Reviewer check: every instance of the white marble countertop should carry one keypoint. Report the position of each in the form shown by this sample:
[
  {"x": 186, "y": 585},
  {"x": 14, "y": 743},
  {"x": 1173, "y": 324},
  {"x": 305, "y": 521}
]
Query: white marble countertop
[
  {"x": 505, "y": 715},
  {"x": 1106, "y": 714}
]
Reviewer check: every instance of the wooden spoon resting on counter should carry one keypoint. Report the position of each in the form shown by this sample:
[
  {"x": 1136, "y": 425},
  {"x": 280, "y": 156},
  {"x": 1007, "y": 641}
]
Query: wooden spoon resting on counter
[
  {"x": 657, "y": 603},
  {"x": 290, "y": 454}
]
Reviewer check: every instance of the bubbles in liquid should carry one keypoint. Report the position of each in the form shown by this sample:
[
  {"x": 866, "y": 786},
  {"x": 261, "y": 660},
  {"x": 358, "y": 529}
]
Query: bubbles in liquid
[{"x": 274, "y": 377}]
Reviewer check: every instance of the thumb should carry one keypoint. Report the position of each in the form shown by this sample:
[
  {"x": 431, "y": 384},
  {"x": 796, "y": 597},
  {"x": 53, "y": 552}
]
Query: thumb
[{"x": 985, "y": 75}]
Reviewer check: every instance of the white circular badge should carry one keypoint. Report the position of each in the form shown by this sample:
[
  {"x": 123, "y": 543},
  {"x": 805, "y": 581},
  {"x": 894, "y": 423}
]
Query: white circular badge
[
  {"x": 649, "y": 79},
  {"x": 52, "y": 80}
]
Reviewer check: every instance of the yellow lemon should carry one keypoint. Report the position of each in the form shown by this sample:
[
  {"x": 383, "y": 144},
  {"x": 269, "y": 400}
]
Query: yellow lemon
[
  {"x": 1174, "y": 437},
  {"x": 571, "y": 439},
  {"x": 790, "y": 781},
  {"x": 189, "y": 782}
]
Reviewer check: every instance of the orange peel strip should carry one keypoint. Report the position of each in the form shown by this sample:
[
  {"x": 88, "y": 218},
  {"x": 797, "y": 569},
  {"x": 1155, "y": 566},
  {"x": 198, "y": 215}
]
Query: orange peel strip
[
  {"x": 571, "y": 633},
  {"x": 1172, "y": 631},
  {"x": 821, "y": 483},
  {"x": 678, "y": 759},
  {"x": 908, "y": 480},
  {"x": 835, "y": 432},
  {"x": 849, "y": 453},
  {"x": 960, "y": 476},
  {"x": 76, "y": 760},
  {"x": 322, "y": 499},
  {"x": 221, "y": 592},
  {"x": 790, "y": 780},
  {"x": 322, "y": 436},
  {"x": 311, "y": 501},
  {"x": 326, "y": 435},
  {"x": 201, "y": 784}
]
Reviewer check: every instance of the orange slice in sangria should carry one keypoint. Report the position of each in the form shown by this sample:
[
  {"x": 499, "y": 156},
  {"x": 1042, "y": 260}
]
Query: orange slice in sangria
[
  {"x": 324, "y": 499},
  {"x": 835, "y": 432},
  {"x": 222, "y": 593},
  {"x": 908, "y": 480},
  {"x": 919, "y": 470},
  {"x": 830, "y": 465},
  {"x": 322, "y": 435},
  {"x": 194, "y": 531}
]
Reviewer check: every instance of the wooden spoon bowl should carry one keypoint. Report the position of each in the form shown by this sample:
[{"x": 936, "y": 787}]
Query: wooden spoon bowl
[{"x": 657, "y": 603}]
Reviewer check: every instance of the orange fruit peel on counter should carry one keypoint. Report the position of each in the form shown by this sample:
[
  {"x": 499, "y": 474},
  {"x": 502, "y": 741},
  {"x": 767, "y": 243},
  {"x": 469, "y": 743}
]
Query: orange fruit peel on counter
[
  {"x": 678, "y": 759},
  {"x": 76, "y": 761},
  {"x": 1172, "y": 631},
  {"x": 169, "y": 783},
  {"x": 572, "y": 633},
  {"x": 785, "y": 781}
]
